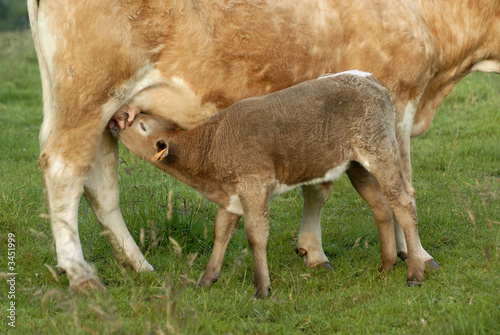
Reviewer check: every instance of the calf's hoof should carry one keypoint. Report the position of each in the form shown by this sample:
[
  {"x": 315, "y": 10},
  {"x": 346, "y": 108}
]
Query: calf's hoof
[
  {"x": 402, "y": 255},
  {"x": 386, "y": 267},
  {"x": 206, "y": 282},
  {"x": 413, "y": 283},
  {"x": 431, "y": 265},
  {"x": 415, "y": 277},
  {"x": 261, "y": 293}
]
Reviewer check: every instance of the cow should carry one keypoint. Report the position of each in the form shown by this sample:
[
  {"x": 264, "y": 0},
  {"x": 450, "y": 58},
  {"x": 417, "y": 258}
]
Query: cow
[
  {"x": 261, "y": 147},
  {"x": 198, "y": 57}
]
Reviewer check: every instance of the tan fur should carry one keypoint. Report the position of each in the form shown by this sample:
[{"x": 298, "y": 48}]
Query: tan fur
[
  {"x": 260, "y": 147},
  {"x": 199, "y": 56}
]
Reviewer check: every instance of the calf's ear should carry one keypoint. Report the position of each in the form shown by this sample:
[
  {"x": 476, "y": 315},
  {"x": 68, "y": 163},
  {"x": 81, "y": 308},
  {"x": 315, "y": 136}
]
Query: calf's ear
[{"x": 161, "y": 146}]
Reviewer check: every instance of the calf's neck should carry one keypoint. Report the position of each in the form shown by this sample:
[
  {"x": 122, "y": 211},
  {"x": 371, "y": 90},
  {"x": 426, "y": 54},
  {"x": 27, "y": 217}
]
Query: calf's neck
[{"x": 261, "y": 147}]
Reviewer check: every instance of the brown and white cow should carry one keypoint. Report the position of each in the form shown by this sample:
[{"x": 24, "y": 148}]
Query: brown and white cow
[
  {"x": 307, "y": 134},
  {"x": 197, "y": 57}
]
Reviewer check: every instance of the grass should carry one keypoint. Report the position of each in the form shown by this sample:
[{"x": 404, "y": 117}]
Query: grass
[{"x": 456, "y": 167}]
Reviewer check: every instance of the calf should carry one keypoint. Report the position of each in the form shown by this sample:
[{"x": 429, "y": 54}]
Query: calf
[{"x": 261, "y": 147}]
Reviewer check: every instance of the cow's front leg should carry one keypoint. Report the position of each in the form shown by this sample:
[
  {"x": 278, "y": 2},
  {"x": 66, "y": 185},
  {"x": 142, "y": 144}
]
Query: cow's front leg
[
  {"x": 225, "y": 225},
  {"x": 102, "y": 193},
  {"x": 309, "y": 240}
]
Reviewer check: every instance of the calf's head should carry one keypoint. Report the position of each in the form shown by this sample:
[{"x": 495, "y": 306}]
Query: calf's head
[{"x": 147, "y": 136}]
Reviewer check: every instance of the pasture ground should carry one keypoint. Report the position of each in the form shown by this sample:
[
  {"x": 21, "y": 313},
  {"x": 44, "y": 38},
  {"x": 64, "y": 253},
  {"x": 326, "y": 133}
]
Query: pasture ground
[{"x": 456, "y": 168}]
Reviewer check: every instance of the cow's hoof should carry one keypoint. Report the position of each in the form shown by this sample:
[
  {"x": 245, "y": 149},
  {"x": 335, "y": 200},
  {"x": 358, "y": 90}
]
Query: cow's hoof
[
  {"x": 87, "y": 286},
  {"x": 402, "y": 255},
  {"x": 432, "y": 265},
  {"x": 301, "y": 252},
  {"x": 144, "y": 267},
  {"x": 326, "y": 266}
]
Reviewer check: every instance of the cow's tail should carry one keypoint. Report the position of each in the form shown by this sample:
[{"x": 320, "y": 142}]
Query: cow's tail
[
  {"x": 48, "y": 100},
  {"x": 33, "y": 16}
]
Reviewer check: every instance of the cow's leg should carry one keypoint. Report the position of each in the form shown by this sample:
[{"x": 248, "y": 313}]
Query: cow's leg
[
  {"x": 225, "y": 225},
  {"x": 101, "y": 192},
  {"x": 255, "y": 203},
  {"x": 404, "y": 122},
  {"x": 309, "y": 240},
  {"x": 67, "y": 154},
  {"x": 369, "y": 189}
]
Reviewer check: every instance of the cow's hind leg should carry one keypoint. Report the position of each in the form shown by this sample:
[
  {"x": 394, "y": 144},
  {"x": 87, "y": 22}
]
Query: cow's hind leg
[
  {"x": 101, "y": 192},
  {"x": 65, "y": 159},
  {"x": 403, "y": 129},
  {"x": 309, "y": 240},
  {"x": 225, "y": 225},
  {"x": 369, "y": 189}
]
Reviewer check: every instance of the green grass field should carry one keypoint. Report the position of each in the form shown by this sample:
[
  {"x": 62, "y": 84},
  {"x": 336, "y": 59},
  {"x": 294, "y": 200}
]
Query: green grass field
[{"x": 456, "y": 171}]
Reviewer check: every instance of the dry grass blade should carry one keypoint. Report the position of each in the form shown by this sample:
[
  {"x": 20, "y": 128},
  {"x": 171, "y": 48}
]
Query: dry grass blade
[{"x": 176, "y": 246}]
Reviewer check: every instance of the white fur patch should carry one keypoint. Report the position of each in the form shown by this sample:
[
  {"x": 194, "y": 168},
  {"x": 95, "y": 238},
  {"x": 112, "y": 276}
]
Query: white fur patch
[
  {"x": 487, "y": 66},
  {"x": 363, "y": 161},
  {"x": 57, "y": 168},
  {"x": 352, "y": 72},
  {"x": 409, "y": 114},
  {"x": 235, "y": 205},
  {"x": 330, "y": 175}
]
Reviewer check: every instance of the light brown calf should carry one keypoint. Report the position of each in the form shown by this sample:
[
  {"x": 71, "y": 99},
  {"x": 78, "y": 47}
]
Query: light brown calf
[
  {"x": 261, "y": 147},
  {"x": 199, "y": 56}
]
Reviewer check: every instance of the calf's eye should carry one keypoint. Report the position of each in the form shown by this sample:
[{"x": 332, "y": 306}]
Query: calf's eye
[{"x": 142, "y": 126}]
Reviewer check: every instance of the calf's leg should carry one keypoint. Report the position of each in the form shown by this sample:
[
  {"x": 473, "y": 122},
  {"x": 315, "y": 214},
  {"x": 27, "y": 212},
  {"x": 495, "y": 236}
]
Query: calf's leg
[
  {"x": 102, "y": 193},
  {"x": 400, "y": 241},
  {"x": 225, "y": 225},
  {"x": 255, "y": 202},
  {"x": 309, "y": 240},
  {"x": 401, "y": 197},
  {"x": 369, "y": 189}
]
